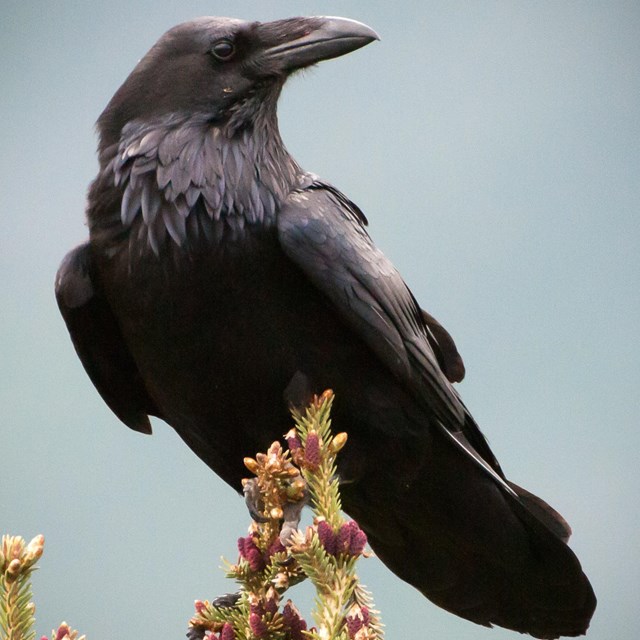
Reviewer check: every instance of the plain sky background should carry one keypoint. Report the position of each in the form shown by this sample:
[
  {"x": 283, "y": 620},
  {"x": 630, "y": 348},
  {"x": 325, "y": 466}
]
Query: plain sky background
[{"x": 495, "y": 148}]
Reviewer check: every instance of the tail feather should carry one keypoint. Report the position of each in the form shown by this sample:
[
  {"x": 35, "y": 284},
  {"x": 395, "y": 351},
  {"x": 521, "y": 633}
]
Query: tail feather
[
  {"x": 474, "y": 548},
  {"x": 543, "y": 512}
]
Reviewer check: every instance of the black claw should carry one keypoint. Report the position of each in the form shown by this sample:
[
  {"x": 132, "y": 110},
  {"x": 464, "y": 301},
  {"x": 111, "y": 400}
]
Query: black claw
[
  {"x": 226, "y": 601},
  {"x": 253, "y": 500},
  {"x": 196, "y": 633}
]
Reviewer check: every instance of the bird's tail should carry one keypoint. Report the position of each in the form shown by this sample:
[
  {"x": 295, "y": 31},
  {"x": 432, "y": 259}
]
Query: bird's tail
[{"x": 487, "y": 554}]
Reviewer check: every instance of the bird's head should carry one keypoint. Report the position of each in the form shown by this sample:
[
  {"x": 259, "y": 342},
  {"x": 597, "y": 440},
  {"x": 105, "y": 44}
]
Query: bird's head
[{"x": 216, "y": 67}]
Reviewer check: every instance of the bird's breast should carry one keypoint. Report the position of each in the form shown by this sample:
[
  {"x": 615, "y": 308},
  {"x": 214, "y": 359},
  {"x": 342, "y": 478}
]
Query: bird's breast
[
  {"x": 220, "y": 334},
  {"x": 202, "y": 325}
]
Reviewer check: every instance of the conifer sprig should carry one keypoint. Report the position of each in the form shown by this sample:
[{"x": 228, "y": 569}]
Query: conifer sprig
[
  {"x": 276, "y": 554},
  {"x": 17, "y": 563},
  {"x": 64, "y": 632}
]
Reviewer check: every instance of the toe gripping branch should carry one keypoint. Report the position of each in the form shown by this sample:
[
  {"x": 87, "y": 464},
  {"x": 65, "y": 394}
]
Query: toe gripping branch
[{"x": 277, "y": 554}]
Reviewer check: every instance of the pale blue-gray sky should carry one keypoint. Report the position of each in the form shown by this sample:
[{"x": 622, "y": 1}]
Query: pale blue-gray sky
[{"x": 495, "y": 148}]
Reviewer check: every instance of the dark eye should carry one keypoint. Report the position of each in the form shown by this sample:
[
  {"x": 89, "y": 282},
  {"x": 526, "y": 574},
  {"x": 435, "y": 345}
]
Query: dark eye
[{"x": 223, "y": 50}]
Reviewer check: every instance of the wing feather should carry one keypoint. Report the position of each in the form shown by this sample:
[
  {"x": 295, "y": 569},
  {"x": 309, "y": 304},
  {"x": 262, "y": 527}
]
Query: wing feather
[
  {"x": 99, "y": 343},
  {"x": 326, "y": 237}
]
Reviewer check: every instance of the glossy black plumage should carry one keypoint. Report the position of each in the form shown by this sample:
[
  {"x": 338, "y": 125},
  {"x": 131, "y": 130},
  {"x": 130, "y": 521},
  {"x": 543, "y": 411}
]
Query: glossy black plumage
[{"x": 221, "y": 281}]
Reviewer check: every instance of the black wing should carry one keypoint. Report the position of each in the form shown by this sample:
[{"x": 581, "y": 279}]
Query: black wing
[
  {"x": 323, "y": 233},
  {"x": 99, "y": 343},
  {"x": 445, "y": 349},
  {"x": 501, "y": 559}
]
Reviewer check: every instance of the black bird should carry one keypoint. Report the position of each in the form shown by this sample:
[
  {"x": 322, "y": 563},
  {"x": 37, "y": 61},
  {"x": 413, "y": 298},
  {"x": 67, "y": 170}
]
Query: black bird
[{"x": 221, "y": 282}]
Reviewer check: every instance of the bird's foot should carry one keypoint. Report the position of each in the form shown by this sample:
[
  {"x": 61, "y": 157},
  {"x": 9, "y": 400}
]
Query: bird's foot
[
  {"x": 253, "y": 499},
  {"x": 226, "y": 601},
  {"x": 196, "y": 633},
  {"x": 292, "y": 513}
]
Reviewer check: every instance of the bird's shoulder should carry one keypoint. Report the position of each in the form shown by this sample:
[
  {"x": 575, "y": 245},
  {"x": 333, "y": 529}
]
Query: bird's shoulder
[
  {"x": 323, "y": 233},
  {"x": 312, "y": 192}
]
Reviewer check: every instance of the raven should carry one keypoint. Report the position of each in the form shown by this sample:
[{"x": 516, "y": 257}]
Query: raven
[{"x": 221, "y": 283}]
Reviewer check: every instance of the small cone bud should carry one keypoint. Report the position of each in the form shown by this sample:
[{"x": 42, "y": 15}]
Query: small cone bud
[
  {"x": 327, "y": 536},
  {"x": 281, "y": 581},
  {"x": 227, "y": 632},
  {"x": 275, "y": 448},
  {"x": 293, "y": 441},
  {"x": 63, "y": 631},
  {"x": 338, "y": 442},
  {"x": 276, "y": 513},
  {"x": 293, "y": 622},
  {"x": 14, "y": 568},
  {"x": 251, "y": 464},
  {"x": 357, "y": 542},
  {"x": 257, "y": 625},
  {"x": 295, "y": 491},
  {"x": 34, "y": 550},
  {"x": 312, "y": 450}
]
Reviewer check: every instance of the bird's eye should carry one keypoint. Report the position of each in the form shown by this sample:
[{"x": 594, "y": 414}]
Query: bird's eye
[{"x": 223, "y": 50}]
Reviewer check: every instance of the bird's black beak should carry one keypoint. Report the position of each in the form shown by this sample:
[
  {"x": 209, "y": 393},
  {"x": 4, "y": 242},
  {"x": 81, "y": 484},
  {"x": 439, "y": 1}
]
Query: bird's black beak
[{"x": 305, "y": 41}]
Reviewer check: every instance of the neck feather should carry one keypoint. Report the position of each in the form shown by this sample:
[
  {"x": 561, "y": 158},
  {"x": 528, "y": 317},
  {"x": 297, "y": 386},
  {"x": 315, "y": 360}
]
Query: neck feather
[{"x": 182, "y": 167}]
